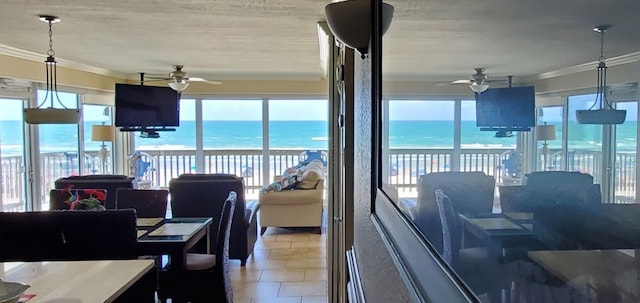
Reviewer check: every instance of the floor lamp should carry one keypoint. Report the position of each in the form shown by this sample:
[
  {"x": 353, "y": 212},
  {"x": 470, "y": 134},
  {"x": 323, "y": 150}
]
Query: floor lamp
[
  {"x": 545, "y": 133},
  {"x": 103, "y": 133}
]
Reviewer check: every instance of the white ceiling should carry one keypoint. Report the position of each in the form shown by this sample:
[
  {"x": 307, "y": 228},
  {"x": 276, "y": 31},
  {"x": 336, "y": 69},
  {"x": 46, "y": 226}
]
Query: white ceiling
[{"x": 435, "y": 40}]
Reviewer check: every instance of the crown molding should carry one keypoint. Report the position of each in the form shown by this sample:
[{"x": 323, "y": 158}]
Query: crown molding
[
  {"x": 613, "y": 61},
  {"x": 32, "y": 56}
]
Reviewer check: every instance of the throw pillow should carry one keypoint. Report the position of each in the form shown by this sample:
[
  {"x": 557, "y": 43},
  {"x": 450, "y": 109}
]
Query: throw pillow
[{"x": 290, "y": 178}]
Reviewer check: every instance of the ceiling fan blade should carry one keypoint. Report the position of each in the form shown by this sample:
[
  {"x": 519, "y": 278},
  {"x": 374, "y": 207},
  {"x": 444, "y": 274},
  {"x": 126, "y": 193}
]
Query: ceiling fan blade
[
  {"x": 196, "y": 79},
  {"x": 461, "y": 82}
]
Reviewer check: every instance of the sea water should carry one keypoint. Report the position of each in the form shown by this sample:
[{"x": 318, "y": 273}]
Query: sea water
[{"x": 306, "y": 135}]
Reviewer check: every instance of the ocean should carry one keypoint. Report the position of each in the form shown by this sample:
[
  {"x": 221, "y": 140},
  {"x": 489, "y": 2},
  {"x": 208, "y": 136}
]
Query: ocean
[{"x": 306, "y": 135}]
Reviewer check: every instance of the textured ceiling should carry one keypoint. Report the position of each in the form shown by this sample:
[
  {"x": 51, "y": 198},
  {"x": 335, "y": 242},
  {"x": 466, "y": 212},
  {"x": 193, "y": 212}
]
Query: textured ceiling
[{"x": 277, "y": 39}]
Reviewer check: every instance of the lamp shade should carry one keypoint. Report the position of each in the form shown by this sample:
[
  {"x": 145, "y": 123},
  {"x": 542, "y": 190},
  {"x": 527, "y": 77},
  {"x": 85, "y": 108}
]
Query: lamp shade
[
  {"x": 546, "y": 132},
  {"x": 102, "y": 133},
  {"x": 350, "y": 22},
  {"x": 51, "y": 116}
]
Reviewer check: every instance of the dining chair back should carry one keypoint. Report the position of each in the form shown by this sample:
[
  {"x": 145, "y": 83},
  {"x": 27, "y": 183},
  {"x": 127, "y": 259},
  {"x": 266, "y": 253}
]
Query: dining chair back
[
  {"x": 148, "y": 203},
  {"x": 209, "y": 280},
  {"x": 60, "y": 199},
  {"x": 516, "y": 198},
  {"x": 68, "y": 235},
  {"x": 222, "y": 248}
]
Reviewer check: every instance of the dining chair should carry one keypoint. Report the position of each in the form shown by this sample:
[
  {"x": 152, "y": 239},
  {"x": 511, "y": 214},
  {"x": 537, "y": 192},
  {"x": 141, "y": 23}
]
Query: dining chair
[
  {"x": 60, "y": 199},
  {"x": 481, "y": 271},
  {"x": 68, "y": 235},
  {"x": 516, "y": 198},
  {"x": 148, "y": 203},
  {"x": 206, "y": 276}
]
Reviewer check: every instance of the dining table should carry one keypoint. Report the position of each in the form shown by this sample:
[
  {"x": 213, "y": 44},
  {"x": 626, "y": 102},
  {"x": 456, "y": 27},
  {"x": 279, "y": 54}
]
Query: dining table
[
  {"x": 611, "y": 273},
  {"x": 498, "y": 231},
  {"x": 172, "y": 237},
  {"x": 76, "y": 281}
]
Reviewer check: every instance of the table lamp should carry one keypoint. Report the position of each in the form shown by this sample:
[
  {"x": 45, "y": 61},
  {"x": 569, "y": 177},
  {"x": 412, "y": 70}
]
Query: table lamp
[
  {"x": 544, "y": 133},
  {"x": 103, "y": 133}
]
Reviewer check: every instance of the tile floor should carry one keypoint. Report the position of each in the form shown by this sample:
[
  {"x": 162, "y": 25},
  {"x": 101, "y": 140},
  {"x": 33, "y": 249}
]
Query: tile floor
[{"x": 287, "y": 266}]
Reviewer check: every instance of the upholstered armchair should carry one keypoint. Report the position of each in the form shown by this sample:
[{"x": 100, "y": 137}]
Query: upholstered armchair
[
  {"x": 202, "y": 195},
  {"x": 297, "y": 207}
]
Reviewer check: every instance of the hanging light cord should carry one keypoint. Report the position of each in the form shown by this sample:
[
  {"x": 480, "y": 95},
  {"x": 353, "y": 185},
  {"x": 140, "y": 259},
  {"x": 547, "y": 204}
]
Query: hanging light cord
[
  {"x": 51, "y": 72},
  {"x": 601, "y": 96}
]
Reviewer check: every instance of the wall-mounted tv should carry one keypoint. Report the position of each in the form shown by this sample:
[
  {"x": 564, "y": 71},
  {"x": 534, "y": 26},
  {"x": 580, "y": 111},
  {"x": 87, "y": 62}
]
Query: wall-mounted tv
[
  {"x": 509, "y": 108},
  {"x": 139, "y": 106}
]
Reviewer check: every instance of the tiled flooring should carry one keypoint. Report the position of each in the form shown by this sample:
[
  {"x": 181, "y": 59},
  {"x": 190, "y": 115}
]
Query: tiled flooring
[{"x": 287, "y": 266}]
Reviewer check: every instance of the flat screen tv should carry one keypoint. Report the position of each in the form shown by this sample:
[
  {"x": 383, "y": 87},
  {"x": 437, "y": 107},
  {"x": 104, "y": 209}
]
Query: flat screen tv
[
  {"x": 139, "y": 106},
  {"x": 510, "y": 108}
]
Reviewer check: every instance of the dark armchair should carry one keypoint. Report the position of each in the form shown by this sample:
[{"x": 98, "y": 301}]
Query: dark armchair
[
  {"x": 109, "y": 182},
  {"x": 200, "y": 195}
]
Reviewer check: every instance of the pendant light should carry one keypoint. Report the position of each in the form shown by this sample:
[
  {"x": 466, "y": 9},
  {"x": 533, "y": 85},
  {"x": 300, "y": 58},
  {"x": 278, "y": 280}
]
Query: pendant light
[
  {"x": 51, "y": 115},
  {"x": 605, "y": 114}
]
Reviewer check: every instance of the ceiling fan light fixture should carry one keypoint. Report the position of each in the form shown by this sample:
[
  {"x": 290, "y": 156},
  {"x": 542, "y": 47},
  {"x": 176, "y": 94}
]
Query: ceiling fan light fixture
[
  {"x": 179, "y": 85},
  {"x": 478, "y": 87},
  {"x": 51, "y": 115}
]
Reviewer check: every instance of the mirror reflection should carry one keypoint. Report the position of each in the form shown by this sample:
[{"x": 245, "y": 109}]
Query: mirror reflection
[{"x": 482, "y": 151}]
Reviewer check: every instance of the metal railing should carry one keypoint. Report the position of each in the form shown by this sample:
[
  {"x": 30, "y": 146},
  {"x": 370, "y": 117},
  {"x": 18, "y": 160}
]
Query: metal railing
[{"x": 405, "y": 166}]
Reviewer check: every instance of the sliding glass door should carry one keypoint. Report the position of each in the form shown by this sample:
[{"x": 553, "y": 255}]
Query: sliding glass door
[
  {"x": 584, "y": 144},
  {"x": 625, "y": 186},
  {"x": 12, "y": 152},
  {"x": 58, "y": 144}
]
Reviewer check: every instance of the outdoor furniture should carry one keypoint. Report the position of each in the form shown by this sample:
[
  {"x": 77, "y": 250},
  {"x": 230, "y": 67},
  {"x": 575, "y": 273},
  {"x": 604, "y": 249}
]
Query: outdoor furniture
[
  {"x": 109, "y": 182},
  {"x": 148, "y": 203},
  {"x": 199, "y": 195}
]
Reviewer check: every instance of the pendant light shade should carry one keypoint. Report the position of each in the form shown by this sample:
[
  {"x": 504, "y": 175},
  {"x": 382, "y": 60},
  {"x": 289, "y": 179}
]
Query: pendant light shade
[{"x": 51, "y": 115}]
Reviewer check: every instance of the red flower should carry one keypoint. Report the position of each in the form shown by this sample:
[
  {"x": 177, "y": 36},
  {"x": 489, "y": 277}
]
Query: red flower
[{"x": 98, "y": 194}]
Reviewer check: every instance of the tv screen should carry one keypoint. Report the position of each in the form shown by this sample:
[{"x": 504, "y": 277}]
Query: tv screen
[
  {"x": 146, "y": 106},
  {"x": 506, "y": 108}
]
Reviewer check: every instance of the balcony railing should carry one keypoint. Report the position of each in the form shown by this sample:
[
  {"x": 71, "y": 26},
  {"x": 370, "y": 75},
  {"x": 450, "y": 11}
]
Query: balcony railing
[{"x": 405, "y": 165}]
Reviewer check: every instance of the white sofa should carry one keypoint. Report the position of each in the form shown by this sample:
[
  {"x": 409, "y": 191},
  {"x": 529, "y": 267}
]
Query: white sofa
[{"x": 299, "y": 207}]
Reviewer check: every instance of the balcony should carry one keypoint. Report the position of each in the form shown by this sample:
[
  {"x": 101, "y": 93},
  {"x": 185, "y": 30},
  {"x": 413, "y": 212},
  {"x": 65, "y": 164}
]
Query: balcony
[{"x": 405, "y": 165}]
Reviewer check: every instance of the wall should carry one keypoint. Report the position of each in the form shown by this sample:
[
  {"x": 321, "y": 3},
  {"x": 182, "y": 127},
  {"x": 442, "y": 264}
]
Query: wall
[
  {"x": 380, "y": 278},
  {"x": 95, "y": 79}
]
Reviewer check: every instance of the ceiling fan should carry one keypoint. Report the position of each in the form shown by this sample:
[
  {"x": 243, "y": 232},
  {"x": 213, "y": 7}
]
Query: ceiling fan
[
  {"x": 178, "y": 79},
  {"x": 479, "y": 81}
]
